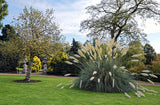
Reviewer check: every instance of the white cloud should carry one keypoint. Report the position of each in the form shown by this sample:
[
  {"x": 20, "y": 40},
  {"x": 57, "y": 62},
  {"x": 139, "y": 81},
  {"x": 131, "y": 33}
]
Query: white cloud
[
  {"x": 150, "y": 26},
  {"x": 70, "y": 16},
  {"x": 67, "y": 14}
]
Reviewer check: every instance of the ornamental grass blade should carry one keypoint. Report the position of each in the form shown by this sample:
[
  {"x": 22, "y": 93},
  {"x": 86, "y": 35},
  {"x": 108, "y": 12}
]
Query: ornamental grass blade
[
  {"x": 91, "y": 78},
  {"x": 110, "y": 73},
  {"x": 146, "y": 71},
  {"x": 144, "y": 74},
  {"x": 68, "y": 62},
  {"x": 59, "y": 85},
  {"x": 152, "y": 75},
  {"x": 127, "y": 95},
  {"x": 80, "y": 85},
  {"x": 122, "y": 67},
  {"x": 76, "y": 61},
  {"x": 67, "y": 75},
  {"x": 99, "y": 80},
  {"x": 71, "y": 86},
  {"x": 136, "y": 55},
  {"x": 132, "y": 85},
  {"x": 153, "y": 91},
  {"x": 113, "y": 82},
  {"x": 135, "y": 60},
  {"x": 137, "y": 94},
  {"x": 95, "y": 72},
  {"x": 62, "y": 87},
  {"x": 150, "y": 81},
  {"x": 140, "y": 93},
  {"x": 114, "y": 66},
  {"x": 76, "y": 55}
]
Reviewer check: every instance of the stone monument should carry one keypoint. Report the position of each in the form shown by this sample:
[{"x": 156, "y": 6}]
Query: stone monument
[
  {"x": 45, "y": 65},
  {"x": 25, "y": 65}
]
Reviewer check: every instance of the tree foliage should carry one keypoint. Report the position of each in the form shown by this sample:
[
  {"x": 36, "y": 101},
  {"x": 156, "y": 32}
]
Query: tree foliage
[
  {"x": 3, "y": 10},
  {"x": 9, "y": 52},
  {"x": 38, "y": 33},
  {"x": 75, "y": 46},
  {"x": 149, "y": 53},
  {"x": 135, "y": 47},
  {"x": 55, "y": 61},
  {"x": 118, "y": 19},
  {"x": 8, "y": 32},
  {"x": 156, "y": 65}
]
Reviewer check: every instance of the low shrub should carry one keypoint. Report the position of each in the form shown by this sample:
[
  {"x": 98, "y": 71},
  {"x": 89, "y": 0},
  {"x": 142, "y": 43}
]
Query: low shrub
[
  {"x": 36, "y": 64},
  {"x": 138, "y": 69},
  {"x": 56, "y": 63},
  {"x": 156, "y": 66}
]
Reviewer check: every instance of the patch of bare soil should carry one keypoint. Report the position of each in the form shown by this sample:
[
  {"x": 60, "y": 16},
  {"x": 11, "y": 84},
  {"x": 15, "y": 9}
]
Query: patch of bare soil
[{"x": 24, "y": 81}]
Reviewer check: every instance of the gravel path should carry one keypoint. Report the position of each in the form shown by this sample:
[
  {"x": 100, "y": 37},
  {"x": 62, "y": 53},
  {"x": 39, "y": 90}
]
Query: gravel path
[{"x": 40, "y": 74}]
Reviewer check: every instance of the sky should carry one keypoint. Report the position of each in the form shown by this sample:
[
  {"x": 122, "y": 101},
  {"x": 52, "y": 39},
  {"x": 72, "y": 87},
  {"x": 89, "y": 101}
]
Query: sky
[{"x": 69, "y": 14}]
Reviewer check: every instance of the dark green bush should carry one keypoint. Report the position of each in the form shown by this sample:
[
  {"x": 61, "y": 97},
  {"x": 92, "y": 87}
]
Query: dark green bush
[{"x": 8, "y": 63}]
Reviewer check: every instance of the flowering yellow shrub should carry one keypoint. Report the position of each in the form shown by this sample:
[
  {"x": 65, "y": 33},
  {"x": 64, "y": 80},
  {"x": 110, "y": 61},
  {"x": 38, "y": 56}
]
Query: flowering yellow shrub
[
  {"x": 36, "y": 64},
  {"x": 55, "y": 59}
]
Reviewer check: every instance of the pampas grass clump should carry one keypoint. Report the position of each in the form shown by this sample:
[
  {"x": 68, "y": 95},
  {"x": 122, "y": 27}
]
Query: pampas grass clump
[
  {"x": 101, "y": 69},
  {"x": 101, "y": 76}
]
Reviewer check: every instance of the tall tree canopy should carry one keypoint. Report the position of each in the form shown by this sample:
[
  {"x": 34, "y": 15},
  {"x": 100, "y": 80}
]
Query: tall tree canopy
[
  {"x": 118, "y": 19},
  {"x": 149, "y": 53},
  {"x": 75, "y": 46},
  {"x": 3, "y": 10},
  {"x": 9, "y": 52},
  {"x": 38, "y": 34},
  {"x": 135, "y": 47},
  {"x": 7, "y": 33}
]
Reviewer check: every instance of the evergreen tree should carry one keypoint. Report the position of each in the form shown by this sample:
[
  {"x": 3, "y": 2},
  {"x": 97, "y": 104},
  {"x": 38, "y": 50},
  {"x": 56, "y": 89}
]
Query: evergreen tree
[
  {"x": 149, "y": 53},
  {"x": 75, "y": 46},
  {"x": 7, "y": 33}
]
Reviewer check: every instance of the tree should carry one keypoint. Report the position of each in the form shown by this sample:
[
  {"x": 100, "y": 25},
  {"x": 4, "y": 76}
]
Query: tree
[
  {"x": 75, "y": 46},
  {"x": 7, "y": 33},
  {"x": 39, "y": 34},
  {"x": 149, "y": 53},
  {"x": 9, "y": 53},
  {"x": 135, "y": 47},
  {"x": 3, "y": 10},
  {"x": 118, "y": 19}
]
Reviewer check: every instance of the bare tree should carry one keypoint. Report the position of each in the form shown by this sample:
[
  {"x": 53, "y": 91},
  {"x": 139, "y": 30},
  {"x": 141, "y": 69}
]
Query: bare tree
[{"x": 118, "y": 19}]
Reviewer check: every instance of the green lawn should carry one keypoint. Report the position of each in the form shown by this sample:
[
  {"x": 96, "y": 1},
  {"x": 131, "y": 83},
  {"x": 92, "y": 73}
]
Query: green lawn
[{"x": 46, "y": 93}]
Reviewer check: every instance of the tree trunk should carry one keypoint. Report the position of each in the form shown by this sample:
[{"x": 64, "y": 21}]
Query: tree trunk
[{"x": 28, "y": 74}]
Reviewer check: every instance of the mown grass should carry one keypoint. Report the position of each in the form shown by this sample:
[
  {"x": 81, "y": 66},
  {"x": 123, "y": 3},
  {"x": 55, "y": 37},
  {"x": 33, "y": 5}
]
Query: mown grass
[{"x": 46, "y": 93}]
